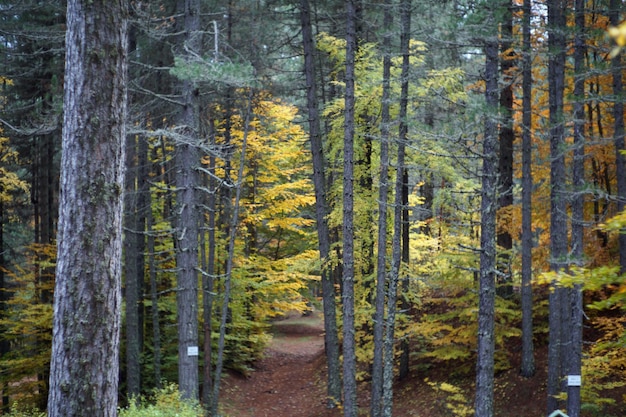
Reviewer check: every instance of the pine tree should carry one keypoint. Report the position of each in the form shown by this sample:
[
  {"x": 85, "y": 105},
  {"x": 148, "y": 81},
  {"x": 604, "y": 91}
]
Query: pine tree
[{"x": 85, "y": 348}]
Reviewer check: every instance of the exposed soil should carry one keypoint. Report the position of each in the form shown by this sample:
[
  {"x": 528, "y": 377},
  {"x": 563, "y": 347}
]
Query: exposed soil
[{"x": 290, "y": 382}]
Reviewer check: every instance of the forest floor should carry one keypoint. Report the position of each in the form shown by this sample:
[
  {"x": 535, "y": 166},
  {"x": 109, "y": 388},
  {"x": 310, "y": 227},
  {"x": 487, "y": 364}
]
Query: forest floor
[{"x": 290, "y": 382}]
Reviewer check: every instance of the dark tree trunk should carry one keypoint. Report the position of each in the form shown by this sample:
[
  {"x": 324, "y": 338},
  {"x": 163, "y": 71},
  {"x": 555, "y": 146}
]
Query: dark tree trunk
[
  {"x": 187, "y": 162},
  {"x": 483, "y": 404},
  {"x": 132, "y": 269},
  {"x": 5, "y": 346},
  {"x": 618, "y": 131},
  {"x": 505, "y": 162},
  {"x": 528, "y": 356},
  {"x": 85, "y": 346},
  {"x": 349, "y": 351},
  {"x": 331, "y": 339},
  {"x": 383, "y": 192},
  {"x": 573, "y": 347},
  {"x": 208, "y": 278},
  {"x": 405, "y": 16},
  {"x": 558, "y": 197}
]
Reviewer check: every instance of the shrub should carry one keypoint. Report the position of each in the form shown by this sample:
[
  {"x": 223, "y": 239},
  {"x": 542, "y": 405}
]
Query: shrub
[{"x": 165, "y": 402}]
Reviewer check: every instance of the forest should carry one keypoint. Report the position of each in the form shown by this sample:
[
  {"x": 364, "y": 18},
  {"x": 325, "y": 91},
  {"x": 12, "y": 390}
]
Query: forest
[{"x": 442, "y": 182}]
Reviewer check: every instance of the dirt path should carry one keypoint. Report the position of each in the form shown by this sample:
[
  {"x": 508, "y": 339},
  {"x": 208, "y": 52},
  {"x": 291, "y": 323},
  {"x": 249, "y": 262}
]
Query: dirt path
[{"x": 286, "y": 382}]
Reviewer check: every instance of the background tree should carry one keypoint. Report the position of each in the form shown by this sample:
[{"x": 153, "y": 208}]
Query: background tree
[
  {"x": 483, "y": 404},
  {"x": 347, "y": 295},
  {"x": 85, "y": 348}
]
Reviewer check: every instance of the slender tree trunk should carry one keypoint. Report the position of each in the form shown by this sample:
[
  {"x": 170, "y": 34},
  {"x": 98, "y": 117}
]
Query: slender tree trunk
[
  {"x": 154, "y": 302},
  {"x": 383, "y": 192},
  {"x": 483, "y": 404},
  {"x": 229, "y": 267},
  {"x": 131, "y": 271},
  {"x": 558, "y": 198},
  {"x": 331, "y": 339},
  {"x": 505, "y": 162},
  {"x": 5, "y": 346},
  {"x": 349, "y": 351},
  {"x": 208, "y": 279},
  {"x": 528, "y": 356},
  {"x": 85, "y": 342},
  {"x": 187, "y": 178},
  {"x": 398, "y": 217},
  {"x": 618, "y": 130}
]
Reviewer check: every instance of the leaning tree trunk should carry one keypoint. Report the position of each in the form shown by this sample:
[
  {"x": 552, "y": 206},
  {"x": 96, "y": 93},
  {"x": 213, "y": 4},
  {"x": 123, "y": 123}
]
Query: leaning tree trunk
[
  {"x": 331, "y": 339},
  {"x": 85, "y": 346}
]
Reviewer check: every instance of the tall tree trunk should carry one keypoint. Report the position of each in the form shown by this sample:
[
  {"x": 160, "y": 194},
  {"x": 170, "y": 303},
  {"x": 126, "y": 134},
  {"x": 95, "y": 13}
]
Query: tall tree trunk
[
  {"x": 573, "y": 348},
  {"x": 558, "y": 198},
  {"x": 349, "y": 351},
  {"x": 132, "y": 270},
  {"x": 85, "y": 342},
  {"x": 229, "y": 267},
  {"x": 187, "y": 161},
  {"x": 154, "y": 301},
  {"x": 208, "y": 278},
  {"x": 615, "y": 9},
  {"x": 528, "y": 356},
  {"x": 483, "y": 404},
  {"x": 331, "y": 339},
  {"x": 399, "y": 211},
  {"x": 5, "y": 346},
  {"x": 383, "y": 193},
  {"x": 505, "y": 162}
]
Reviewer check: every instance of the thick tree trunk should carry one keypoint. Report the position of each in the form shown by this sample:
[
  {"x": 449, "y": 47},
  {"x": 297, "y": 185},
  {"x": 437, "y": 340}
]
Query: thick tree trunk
[
  {"x": 85, "y": 346},
  {"x": 349, "y": 350},
  {"x": 331, "y": 339},
  {"x": 528, "y": 356},
  {"x": 187, "y": 161},
  {"x": 483, "y": 404}
]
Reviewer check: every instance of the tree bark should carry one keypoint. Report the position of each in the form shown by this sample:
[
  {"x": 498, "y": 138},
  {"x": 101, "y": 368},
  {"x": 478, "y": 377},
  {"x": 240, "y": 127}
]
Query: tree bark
[
  {"x": 528, "y": 357},
  {"x": 505, "y": 161},
  {"x": 558, "y": 197},
  {"x": 483, "y": 404},
  {"x": 618, "y": 131},
  {"x": 573, "y": 348},
  {"x": 131, "y": 270},
  {"x": 349, "y": 351},
  {"x": 383, "y": 192},
  {"x": 85, "y": 346},
  {"x": 187, "y": 179},
  {"x": 400, "y": 209},
  {"x": 331, "y": 339}
]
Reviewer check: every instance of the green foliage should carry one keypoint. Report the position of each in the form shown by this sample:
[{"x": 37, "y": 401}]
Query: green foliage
[
  {"x": 17, "y": 410},
  {"x": 164, "y": 403},
  {"x": 28, "y": 324},
  {"x": 201, "y": 70}
]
